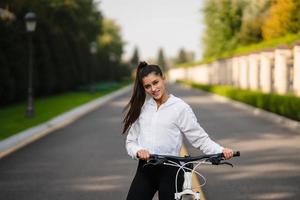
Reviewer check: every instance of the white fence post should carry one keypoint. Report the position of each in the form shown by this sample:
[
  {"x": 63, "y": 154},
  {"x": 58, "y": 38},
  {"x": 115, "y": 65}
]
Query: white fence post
[
  {"x": 235, "y": 71},
  {"x": 244, "y": 72},
  {"x": 282, "y": 71},
  {"x": 266, "y": 70},
  {"x": 228, "y": 72},
  {"x": 254, "y": 70},
  {"x": 296, "y": 84},
  {"x": 214, "y": 73}
]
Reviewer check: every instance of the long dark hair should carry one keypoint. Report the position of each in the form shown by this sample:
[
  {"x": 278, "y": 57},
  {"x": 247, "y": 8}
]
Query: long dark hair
[{"x": 139, "y": 95}]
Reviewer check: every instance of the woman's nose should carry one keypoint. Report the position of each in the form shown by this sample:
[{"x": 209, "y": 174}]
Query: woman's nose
[{"x": 152, "y": 88}]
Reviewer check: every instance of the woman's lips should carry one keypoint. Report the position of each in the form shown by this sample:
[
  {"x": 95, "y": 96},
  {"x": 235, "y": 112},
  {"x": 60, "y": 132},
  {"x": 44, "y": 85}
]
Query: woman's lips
[{"x": 155, "y": 93}]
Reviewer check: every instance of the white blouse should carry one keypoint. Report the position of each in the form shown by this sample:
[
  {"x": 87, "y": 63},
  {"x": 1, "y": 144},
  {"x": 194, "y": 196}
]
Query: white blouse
[{"x": 160, "y": 130}]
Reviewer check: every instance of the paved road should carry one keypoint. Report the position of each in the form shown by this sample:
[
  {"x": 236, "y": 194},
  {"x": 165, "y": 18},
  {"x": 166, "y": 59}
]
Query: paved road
[
  {"x": 87, "y": 159},
  {"x": 270, "y": 164}
]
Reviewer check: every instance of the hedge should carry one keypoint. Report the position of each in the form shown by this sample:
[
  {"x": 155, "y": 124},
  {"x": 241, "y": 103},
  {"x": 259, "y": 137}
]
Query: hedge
[{"x": 285, "y": 105}]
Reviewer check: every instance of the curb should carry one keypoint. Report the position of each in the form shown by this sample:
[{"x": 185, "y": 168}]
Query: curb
[
  {"x": 284, "y": 121},
  {"x": 30, "y": 135}
]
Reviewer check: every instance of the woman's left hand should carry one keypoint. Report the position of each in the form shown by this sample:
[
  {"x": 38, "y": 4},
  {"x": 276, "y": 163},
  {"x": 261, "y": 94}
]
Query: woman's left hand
[{"x": 228, "y": 153}]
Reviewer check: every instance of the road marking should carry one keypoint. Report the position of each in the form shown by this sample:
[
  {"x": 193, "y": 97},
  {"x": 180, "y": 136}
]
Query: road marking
[{"x": 195, "y": 181}]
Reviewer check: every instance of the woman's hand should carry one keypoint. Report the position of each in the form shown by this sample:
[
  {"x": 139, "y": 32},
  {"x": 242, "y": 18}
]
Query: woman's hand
[
  {"x": 228, "y": 153},
  {"x": 143, "y": 154}
]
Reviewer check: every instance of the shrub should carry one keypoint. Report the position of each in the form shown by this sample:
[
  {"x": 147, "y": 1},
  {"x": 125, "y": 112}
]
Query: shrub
[{"x": 285, "y": 105}]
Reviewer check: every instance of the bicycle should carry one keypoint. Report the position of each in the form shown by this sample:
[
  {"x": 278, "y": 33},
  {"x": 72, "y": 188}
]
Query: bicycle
[{"x": 187, "y": 165}]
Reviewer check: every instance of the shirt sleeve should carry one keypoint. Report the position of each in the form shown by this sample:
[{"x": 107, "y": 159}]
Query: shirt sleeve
[
  {"x": 195, "y": 134},
  {"x": 132, "y": 146}
]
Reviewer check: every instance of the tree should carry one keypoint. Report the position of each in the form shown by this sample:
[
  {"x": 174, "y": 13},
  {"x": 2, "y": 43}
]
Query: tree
[
  {"x": 254, "y": 14},
  {"x": 161, "y": 59},
  {"x": 283, "y": 18},
  {"x": 223, "y": 19},
  {"x": 111, "y": 40},
  {"x": 134, "y": 61},
  {"x": 111, "y": 49},
  {"x": 62, "y": 59},
  {"x": 184, "y": 56}
]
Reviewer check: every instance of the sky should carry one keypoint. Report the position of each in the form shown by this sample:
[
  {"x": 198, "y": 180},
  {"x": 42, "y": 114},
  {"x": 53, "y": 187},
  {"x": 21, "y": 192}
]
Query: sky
[{"x": 154, "y": 24}]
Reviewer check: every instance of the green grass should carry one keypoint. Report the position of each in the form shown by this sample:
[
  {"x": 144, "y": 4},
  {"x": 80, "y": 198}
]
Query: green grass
[
  {"x": 13, "y": 120},
  {"x": 288, "y": 39}
]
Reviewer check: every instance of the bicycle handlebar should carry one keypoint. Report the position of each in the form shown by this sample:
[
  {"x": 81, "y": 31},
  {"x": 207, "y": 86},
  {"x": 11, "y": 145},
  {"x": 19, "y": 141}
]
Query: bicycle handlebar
[
  {"x": 188, "y": 168},
  {"x": 190, "y": 158}
]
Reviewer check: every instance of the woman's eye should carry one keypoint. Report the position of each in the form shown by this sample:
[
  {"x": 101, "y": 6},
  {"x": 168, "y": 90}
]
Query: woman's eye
[
  {"x": 147, "y": 86},
  {"x": 155, "y": 82}
]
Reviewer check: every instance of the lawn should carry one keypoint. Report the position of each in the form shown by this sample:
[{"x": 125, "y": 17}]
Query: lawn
[{"x": 13, "y": 119}]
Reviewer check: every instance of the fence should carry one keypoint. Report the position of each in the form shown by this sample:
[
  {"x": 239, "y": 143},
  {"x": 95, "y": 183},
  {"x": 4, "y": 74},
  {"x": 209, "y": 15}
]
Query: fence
[{"x": 276, "y": 70}]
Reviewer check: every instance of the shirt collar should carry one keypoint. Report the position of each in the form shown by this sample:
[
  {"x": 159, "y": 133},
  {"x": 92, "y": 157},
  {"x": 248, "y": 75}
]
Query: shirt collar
[{"x": 170, "y": 100}]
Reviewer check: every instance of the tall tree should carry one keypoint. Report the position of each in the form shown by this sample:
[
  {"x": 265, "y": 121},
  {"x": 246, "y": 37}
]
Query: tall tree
[
  {"x": 111, "y": 49},
  {"x": 254, "y": 14},
  {"x": 223, "y": 19},
  {"x": 182, "y": 56},
  {"x": 161, "y": 61},
  {"x": 135, "y": 58},
  {"x": 111, "y": 40},
  {"x": 283, "y": 18},
  {"x": 62, "y": 59}
]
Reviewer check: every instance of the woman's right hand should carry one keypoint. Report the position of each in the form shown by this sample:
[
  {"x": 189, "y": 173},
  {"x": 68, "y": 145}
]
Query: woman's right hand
[{"x": 143, "y": 154}]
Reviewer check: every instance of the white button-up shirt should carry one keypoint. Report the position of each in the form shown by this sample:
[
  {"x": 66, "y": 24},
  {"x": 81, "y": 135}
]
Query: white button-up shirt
[{"x": 160, "y": 130}]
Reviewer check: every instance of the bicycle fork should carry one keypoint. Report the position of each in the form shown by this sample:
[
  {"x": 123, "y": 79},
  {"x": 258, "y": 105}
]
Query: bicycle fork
[{"x": 187, "y": 185}]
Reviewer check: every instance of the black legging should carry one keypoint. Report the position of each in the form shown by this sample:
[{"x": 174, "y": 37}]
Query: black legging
[{"x": 150, "y": 179}]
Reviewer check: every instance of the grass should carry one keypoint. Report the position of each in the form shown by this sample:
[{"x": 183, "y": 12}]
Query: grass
[
  {"x": 13, "y": 120},
  {"x": 288, "y": 39}
]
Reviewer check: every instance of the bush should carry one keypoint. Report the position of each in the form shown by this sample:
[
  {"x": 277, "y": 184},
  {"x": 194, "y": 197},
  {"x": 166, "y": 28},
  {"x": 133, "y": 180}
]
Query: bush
[{"x": 285, "y": 105}]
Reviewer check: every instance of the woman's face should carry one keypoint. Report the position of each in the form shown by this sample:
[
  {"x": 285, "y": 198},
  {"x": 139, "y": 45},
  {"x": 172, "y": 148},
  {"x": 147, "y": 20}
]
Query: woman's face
[{"x": 154, "y": 85}]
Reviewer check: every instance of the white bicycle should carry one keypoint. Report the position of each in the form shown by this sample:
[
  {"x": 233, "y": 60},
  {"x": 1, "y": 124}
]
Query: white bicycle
[{"x": 188, "y": 165}]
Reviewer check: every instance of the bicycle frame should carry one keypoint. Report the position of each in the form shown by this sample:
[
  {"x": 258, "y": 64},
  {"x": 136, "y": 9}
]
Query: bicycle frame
[{"x": 187, "y": 188}]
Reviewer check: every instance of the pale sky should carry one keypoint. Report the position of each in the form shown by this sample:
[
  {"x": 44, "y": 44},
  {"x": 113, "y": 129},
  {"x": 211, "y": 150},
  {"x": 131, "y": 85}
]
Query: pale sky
[{"x": 151, "y": 24}]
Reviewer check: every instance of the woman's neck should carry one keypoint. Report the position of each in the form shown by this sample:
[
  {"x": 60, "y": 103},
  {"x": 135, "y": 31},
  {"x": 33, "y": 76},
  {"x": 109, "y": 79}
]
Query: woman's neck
[{"x": 162, "y": 100}]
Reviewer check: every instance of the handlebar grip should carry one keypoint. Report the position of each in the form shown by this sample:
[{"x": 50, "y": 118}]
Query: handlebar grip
[{"x": 236, "y": 154}]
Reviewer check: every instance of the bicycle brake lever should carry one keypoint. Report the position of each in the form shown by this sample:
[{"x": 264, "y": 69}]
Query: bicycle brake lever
[
  {"x": 154, "y": 162},
  {"x": 226, "y": 163},
  {"x": 215, "y": 160},
  {"x": 218, "y": 161}
]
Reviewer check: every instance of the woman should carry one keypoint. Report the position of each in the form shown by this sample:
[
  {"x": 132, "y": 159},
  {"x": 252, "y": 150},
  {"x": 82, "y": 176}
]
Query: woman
[{"x": 156, "y": 127}]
